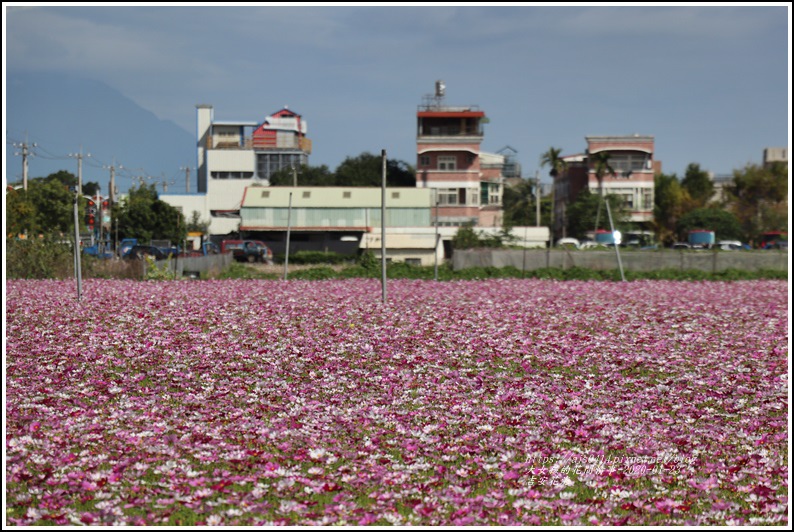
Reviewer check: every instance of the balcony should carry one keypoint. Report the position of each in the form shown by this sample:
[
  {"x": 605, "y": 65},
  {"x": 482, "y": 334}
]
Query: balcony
[{"x": 259, "y": 144}]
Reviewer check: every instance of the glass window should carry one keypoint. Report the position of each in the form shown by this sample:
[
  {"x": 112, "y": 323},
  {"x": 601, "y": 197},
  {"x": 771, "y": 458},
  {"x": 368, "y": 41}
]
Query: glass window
[{"x": 446, "y": 162}]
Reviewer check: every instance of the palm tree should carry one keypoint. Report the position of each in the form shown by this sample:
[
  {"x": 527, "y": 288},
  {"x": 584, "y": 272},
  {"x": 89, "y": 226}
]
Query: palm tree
[
  {"x": 602, "y": 167},
  {"x": 558, "y": 166},
  {"x": 553, "y": 160}
]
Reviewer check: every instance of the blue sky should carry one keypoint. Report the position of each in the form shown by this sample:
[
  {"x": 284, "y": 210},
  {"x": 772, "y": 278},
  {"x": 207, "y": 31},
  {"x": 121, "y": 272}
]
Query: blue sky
[{"x": 711, "y": 83}]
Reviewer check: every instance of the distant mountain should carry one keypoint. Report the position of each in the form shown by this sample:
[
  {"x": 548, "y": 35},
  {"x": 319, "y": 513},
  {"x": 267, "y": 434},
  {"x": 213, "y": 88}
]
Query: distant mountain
[{"x": 61, "y": 113}]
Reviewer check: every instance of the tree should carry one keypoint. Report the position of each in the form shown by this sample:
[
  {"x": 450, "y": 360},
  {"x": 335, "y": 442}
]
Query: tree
[
  {"x": 552, "y": 159},
  {"x": 724, "y": 224},
  {"x": 20, "y": 212},
  {"x": 671, "y": 201},
  {"x": 698, "y": 184},
  {"x": 519, "y": 206},
  {"x": 145, "y": 217},
  {"x": 602, "y": 168},
  {"x": 760, "y": 196},
  {"x": 366, "y": 170},
  {"x": 53, "y": 204},
  {"x": 307, "y": 176},
  {"x": 581, "y": 214},
  {"x": 196, "y": 224}
]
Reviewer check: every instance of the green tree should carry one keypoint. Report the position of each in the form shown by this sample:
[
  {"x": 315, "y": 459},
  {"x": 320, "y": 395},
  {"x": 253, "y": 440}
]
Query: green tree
[
  {"x": 306, "y": 176},
  {"x": 67, "y": 179},
  {"x": 698, "y": 184},
  {"x": 467, "y": 238},
  {"x": 724, "y": 224},
  {"x": 551, "y": 158},
  {"x": 602, "y": 168},
  {"x": 196, "y": 224},
  {"x": 53, "y": 204},
  {"x": 760, "y": 196},
  {"x": 19, "y": 211},
  {"x": 518, "y": 202},
  {"x": 366, "y": 170},
  {"x": 581, "y": 214},
  {"x": 670, "y": 203},
  {"x": 145, "y": 217}
]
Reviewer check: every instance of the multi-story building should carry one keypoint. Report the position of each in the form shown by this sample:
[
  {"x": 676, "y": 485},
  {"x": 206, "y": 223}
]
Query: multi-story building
[
  {"x": 775, "y": 155},
  {"x": 632, "y": 159},
  {"x": 466, "y": 183},
  {"x": 233, "y": 155}
]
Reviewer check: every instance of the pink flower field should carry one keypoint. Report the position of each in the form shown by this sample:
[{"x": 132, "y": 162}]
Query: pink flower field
[{"x": 496, "y": 402}]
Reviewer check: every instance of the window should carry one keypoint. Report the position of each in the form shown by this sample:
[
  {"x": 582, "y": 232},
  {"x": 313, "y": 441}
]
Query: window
[
  {"x": 424, "y": 160},
  {"x": 265, "y": 193},
  {"x": 447, "y": 196},
  {"x": 413, "y": 262},
  {"x": 307, "y": 194},
  {"x": 446, "y": 162},
  {"x": 346, "y": 195},
  {"x": 395, "y": 195}
]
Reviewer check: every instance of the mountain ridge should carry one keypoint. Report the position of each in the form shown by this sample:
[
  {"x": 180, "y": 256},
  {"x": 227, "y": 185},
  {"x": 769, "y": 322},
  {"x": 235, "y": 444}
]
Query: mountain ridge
[{"x": 65, "y": 114}]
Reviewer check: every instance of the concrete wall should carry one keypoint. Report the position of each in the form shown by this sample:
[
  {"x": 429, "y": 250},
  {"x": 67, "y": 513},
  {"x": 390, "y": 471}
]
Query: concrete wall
[
  {"x": 186, "y": 265},
  {"x": 639, "y": 261}
]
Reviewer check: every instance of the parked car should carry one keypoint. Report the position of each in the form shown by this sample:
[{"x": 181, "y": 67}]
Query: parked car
[
  {"x": 590, "y": 244},
  {"x": 248, "y": 250},
  {"x": 731, "y": 245},
  {"x": 680, "y": 245},
  {"x": 139, "y": 252},
  {"x": 568, "y": 243}
]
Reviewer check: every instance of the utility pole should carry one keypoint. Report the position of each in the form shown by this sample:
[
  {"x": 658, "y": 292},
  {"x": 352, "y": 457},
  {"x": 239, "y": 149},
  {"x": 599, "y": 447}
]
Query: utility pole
[
  {"x": 435, "y": 249},
  {"x": 25, "y": 152},
  {"x": 187, "y": 177},
  {"x": 289, "y": 226},
  {"x": 537, "y": 198},
  {"x": 77, "y": 272},
  {"x": 79, "y": 156},
  {"x": 383, "y": 228},
  {"x": 112, "y": 188}
]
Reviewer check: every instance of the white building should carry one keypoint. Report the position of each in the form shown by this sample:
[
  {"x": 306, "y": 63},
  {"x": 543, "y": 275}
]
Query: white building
[{"x": 233, "y": 155}]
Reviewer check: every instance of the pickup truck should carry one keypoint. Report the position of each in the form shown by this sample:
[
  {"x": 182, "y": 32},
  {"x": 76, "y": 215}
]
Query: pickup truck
[{"x": 248, "y": 250}]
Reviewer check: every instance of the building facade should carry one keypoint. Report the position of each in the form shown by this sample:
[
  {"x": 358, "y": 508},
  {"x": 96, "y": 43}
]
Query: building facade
[
  {"x": 466, "y": 183},
  {"x": 632, "y": 157},
  {"x": 233, "y": 155}
]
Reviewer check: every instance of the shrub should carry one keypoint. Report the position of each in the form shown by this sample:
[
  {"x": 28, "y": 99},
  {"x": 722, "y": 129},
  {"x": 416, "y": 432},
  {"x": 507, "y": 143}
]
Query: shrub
[{"x": 39, "y": 258}]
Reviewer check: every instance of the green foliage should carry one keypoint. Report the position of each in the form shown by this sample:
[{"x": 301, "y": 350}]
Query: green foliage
[
  {"x": 368, "y": 261},
  {"x": 519, "y": 204},
  {"x": 306, "y": 176},
  {"x": 602, "y": 168},
  {"x": 365, "y": 170},
  {"x": 196, "y": 224},
  {"x": 724, "y": 224},
  {"x": 38, "y": 258},
  {"x": 583, "y": 213},
  {"x": 145, "y": 217},
  {"x": 554, "y": 161},
  {"x": 158, "y": 273},
  {"x": 53, "y": 205},
  {"x": 698, "y": 184},
  {"x": 760, "y": 196},
  {"x": 20, "y": 213},
  {"x": 670, "y": 203},
  {"x": 467, "y": 238},
  {"x": 318, "y": 257}
]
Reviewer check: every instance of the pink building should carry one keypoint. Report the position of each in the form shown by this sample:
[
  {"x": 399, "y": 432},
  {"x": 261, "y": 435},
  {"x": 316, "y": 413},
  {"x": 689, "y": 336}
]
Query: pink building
[
  {"x": 467, "y": 183},
  {"x": 632, "y": 159}
]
